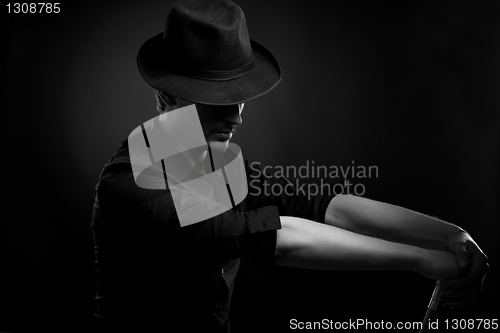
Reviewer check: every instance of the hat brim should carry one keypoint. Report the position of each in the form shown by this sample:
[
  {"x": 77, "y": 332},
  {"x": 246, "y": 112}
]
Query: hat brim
[{"x": 157, "y": 72}]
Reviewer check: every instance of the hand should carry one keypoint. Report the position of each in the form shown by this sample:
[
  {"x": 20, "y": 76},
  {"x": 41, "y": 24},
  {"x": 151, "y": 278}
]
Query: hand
[{"x": 473, "y": 264}]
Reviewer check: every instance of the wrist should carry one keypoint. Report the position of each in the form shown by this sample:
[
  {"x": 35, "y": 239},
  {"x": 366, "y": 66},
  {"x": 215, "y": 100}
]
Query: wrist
[
  {"x": 422, "y": 258},
  {"x": 436, "y": 264}
]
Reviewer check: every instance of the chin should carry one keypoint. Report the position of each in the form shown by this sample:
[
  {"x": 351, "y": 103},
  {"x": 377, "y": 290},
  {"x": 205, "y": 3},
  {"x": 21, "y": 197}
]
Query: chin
[{"x": 219, "y": 146}]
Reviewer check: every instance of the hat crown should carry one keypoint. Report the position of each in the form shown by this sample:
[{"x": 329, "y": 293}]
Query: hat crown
[
  {"x": 204, "y": 55},
  {"x": 208, "y": 35}
]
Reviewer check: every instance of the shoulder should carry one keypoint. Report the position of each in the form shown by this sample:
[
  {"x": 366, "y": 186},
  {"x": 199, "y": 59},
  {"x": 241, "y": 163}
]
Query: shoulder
[
  {"x": 116, "y": 188},
  {"x": 253, "y": 168}
]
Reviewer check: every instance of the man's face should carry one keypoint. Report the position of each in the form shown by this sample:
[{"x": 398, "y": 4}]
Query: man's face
[{"x": 219, "y": 123}]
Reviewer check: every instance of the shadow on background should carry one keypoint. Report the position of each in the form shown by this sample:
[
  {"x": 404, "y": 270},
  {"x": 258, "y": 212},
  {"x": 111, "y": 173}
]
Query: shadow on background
[{"x": 409, "y": 87}]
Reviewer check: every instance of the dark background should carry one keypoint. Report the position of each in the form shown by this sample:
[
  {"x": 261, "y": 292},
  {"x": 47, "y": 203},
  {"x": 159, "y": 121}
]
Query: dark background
[{"x": 411, "y": 87}]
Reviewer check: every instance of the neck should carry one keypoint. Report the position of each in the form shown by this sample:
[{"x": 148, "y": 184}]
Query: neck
[{"x": 197, "y": 159}]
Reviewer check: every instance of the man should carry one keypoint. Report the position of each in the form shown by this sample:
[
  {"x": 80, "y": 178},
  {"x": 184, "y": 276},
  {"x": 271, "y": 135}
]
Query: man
[{"x": 159, "y": 268}]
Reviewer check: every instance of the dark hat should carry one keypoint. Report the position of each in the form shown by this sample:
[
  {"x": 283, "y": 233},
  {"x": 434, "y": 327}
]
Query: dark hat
[{"x": 206, "y": 56}]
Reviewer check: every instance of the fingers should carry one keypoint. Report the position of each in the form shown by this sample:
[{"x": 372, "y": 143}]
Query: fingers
[
  {"x": 467, "y": 288},
  {"x": 464, "y": 296},
  {"x": 461, "y": 254},
  {"x": 475, "y": 275},
  {"x": 454, "y": 295},
  {"x": 457, "y": 297},
  {"x": 473, "y": 265}
]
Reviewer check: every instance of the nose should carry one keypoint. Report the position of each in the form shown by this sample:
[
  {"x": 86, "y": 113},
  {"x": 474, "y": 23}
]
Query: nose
[{"x": 233, "y": 114}]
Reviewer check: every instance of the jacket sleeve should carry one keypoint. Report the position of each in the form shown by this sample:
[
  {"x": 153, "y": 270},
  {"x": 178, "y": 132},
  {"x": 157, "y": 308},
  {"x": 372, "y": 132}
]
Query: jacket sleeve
[
  {"x": 229, "y": 235},
  {"x": 290, "y": 199}
]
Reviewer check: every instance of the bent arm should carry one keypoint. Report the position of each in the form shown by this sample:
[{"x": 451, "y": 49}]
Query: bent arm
[
  {"x": 305, "y": 244},
  {"x": 390, "y": 222}
]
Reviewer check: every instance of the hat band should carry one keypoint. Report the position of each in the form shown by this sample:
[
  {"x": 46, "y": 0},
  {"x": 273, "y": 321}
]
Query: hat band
[{"x": 211, "y": 75}]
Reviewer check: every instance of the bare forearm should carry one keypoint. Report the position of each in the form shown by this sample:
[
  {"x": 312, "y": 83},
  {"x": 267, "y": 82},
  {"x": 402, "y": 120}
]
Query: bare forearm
[
  {"x": 306, "y": 244},
  {"x": 390, "y": 222}
]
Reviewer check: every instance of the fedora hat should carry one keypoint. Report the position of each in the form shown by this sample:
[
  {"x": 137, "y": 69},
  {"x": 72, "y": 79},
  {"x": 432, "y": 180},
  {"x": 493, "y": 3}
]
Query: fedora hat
[{"x": 206, "y": 56}]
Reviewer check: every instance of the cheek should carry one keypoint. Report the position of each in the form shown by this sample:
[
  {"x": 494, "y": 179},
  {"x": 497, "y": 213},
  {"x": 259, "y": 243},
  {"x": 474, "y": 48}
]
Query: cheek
[
  {"x": 206, "y": 130},
  {"x": 203, "y": 124},
  {"x": 208, "y": 137},
  {"x": 206, "y": 124}
]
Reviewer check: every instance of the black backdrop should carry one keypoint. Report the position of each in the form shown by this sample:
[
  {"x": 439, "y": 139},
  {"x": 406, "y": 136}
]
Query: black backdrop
[{"x": 409, "y": 87}]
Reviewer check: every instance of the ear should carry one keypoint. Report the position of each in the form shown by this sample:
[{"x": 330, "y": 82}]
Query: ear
[
  {"x": 168, "y": 99},
  {"x": 165, "y": 99}
]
